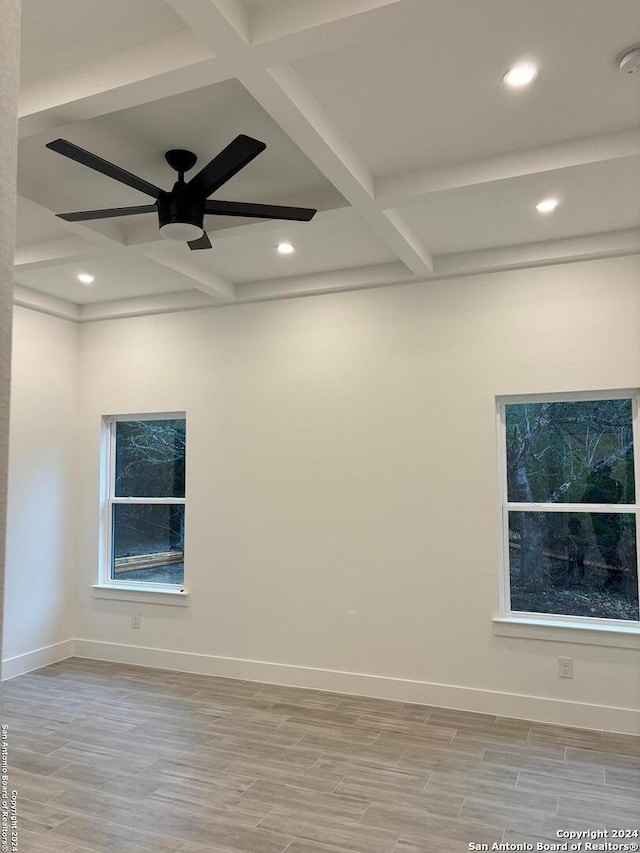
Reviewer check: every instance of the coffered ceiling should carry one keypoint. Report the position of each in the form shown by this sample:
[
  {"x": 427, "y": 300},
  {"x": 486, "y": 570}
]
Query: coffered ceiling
[{"x": 389, "y": 116}]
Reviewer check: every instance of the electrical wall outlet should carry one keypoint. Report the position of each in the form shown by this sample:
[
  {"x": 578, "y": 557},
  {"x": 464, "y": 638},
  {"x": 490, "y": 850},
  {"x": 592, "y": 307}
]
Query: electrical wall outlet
[
  {"x": 135, "y": 620},
  {"x": 565, "y": 667}
]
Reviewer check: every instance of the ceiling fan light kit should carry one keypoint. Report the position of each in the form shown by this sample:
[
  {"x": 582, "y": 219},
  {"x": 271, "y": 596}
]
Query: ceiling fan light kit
[
  {"x": 180, "y": 214},
  {"x": 181, "y": 211}
]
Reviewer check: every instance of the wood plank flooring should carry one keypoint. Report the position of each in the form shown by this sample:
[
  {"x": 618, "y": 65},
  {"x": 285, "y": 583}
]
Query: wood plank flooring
[{"x": 109, "y": 757}]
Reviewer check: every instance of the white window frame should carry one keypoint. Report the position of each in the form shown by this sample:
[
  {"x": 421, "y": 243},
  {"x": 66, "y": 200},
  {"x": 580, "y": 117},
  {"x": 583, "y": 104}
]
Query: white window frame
[
  {"x": 108, "y": 587},
  {"x": 550, "y": 626}
]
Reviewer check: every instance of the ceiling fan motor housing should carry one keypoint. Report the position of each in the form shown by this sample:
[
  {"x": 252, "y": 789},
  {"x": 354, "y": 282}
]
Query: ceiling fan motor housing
[{"x": 179, "y": 207}]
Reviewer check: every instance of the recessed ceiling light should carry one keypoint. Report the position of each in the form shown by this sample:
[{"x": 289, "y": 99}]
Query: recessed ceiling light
[
  {"x": 85, "y": 278},
  {"x": 520, "y": 75},
  {"x": 547, "y": 205},
  {"x": 285, "y": 248},
  {"x": 629, "y": 60}
]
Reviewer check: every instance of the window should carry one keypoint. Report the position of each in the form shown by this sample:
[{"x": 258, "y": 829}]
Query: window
[
  {"x": 569, "y": 508},
  {"x": 145, "y": 501}
]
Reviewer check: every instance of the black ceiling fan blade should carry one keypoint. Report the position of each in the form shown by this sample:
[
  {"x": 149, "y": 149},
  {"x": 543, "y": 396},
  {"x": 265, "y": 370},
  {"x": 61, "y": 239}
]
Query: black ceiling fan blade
[
  {"x": 259, "y": 211},
  {"x": 201, "y": 243},
  {"x": 92, "y": 161},
  {"x": 225, "y": 165},
  {"x": 85, "y": 215}
]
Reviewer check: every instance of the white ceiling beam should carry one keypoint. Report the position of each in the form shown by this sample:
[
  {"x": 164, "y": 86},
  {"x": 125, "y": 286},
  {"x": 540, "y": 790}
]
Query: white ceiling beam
[
  {"x": 178, "y": 260},
  {"x": 302, "y": 28},
  {"x": 141, "y": 306},
  {"x": 236, "y": 12},
  {"x": 74, "y": 250},
  {"x": 91, "y": 244},
  {"x": 50, "y": 253},
  {"x": 281, "y": 92},
  {"x": 608, "y": 245},
  {"x": 270, "y": 22},
  {"x": 410, "y": 187},
  {"x": 613, "y": 244},
  {"x": 404, "y": 241},
  {"x": 107, "y": 233},
  {"x": 324, "y": 282},
  {"x": 181, "y": 62},
  {"x": 127, "y": 78},
  {"x": 45, "y": 303},
  {"x": 82, "y": 241},
  {"x": 283, "y": 95},
  {"x": 223, "y": 25},
  {"x": 184, "y": 61}
]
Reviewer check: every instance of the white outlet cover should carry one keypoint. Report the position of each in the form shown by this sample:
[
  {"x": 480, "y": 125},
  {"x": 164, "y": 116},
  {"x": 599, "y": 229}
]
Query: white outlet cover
[{"x": 565, "y": 667}]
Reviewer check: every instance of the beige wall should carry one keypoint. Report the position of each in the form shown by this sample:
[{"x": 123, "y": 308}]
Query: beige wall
[
  {"x": 40, "y": 554},
  {"x": 342, "y": 483},
  {"x": 9, "y": 45}
]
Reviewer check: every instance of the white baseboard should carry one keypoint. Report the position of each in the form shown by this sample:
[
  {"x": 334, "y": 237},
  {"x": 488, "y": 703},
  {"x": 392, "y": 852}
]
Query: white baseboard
[
  {"x": 536, "y": 708},
  {"x": 20, "y": 664}
]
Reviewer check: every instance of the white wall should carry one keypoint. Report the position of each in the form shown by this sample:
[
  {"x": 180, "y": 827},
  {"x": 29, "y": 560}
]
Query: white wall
[
  {"x": 9, "y": 47},
  {"x": 40, "y": 556},
  {"x": 342, "y": 483}
]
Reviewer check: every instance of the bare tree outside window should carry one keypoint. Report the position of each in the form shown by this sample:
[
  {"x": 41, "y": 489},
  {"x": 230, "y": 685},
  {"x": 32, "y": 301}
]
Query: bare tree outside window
[
  {"x": 147, "y": 500},
  {"x": 578, "y": 456}
]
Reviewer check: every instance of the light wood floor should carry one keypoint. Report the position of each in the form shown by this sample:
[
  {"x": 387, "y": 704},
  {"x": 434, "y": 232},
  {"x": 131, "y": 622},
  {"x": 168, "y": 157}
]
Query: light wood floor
[{"x": 108, "y": 757}]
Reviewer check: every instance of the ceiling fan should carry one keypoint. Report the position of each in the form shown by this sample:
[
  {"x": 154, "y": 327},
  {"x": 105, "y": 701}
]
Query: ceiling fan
[{"x": 181, "y": 211}]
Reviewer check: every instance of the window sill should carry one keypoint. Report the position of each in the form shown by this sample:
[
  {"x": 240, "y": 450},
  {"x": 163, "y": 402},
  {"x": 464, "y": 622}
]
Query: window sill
[
  {"x": 619, "y": 636},
  {"x": 142, "y": 594}
]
